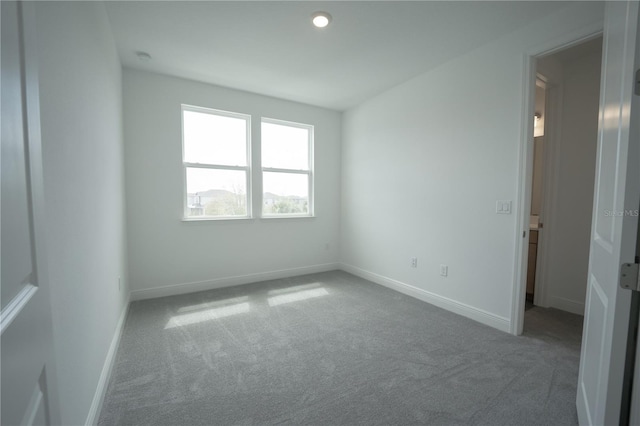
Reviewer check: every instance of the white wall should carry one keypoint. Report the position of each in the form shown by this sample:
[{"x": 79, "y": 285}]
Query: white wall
[
  {"x": 568, "y": 254},
  {"x": 425, "y": 162},
  {"x": 168, "y": 255},
  {"x": 81, "y": 120}
]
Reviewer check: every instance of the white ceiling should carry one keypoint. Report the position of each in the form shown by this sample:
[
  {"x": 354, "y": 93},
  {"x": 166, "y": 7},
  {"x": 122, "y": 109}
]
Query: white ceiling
[{"x": 271, "y": 48}]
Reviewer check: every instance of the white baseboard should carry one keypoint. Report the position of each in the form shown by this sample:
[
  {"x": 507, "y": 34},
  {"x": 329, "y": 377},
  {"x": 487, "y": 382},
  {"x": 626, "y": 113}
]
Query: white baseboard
[
  {"x": 487, "y": 318},
  {"x": 192, "y": 287},
  {"x": 566, "y": 305},
  {"x": 103, "y": 382}
]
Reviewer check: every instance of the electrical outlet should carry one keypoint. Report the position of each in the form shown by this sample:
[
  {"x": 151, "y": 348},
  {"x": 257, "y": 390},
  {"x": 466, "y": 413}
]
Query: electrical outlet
[
  {"x": 444, "y": 270},
  {"x": 414, "y": 262}
]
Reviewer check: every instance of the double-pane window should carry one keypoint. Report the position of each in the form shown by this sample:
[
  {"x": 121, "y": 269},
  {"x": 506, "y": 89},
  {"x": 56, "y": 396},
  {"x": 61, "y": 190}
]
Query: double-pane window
[
  {"x": 216, "y": 163},
  {"x": 287, "y": 183},
  {"x": 216, "y": 158}
]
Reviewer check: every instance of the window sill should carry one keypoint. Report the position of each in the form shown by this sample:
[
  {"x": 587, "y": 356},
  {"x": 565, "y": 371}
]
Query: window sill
[
  {"x": 234, "y": 219},
  {"x": 293, "y": 216},
  {"x": 215, "y": 219}
]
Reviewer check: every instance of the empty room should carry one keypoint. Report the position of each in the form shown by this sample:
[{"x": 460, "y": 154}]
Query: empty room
[{"x": 327, "y": 213}]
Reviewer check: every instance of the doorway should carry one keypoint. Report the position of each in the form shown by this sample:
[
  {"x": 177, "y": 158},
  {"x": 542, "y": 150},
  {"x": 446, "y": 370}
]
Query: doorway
[
  {"x": 563, "y": 160},
  {"x": 537, "y": 183}
]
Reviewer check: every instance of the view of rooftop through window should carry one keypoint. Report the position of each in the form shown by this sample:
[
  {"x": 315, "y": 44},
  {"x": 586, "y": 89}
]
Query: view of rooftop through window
[
  {"x": 217, "y": 161},
  {"x": 286, "y": 168},
  {"x": 215, "y": 155}
]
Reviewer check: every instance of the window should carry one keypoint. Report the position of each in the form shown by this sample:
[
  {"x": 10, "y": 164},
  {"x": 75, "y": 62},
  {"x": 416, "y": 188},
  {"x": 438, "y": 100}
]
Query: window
[
  {"x": 216, "y": 159},
  {"x": 287, "y": 163},
  {"x": 216, "y": 156}
]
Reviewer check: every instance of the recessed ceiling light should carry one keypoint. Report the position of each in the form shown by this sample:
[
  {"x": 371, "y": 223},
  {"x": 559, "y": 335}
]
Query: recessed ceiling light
[
  {"x": 320, "y": 19},
  {"x": 143, "y": 56}
]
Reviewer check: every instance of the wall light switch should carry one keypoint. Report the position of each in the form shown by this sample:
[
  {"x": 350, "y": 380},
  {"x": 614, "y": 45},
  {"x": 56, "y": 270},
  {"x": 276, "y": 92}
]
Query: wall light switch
[
  {"x": 503, "y": 207},
  {"x": 444, "y": 270}
]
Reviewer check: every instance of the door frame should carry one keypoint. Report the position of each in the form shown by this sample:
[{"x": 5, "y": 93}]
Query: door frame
[
  {"x": 525, "y": 166},
  {"x": 552, "y": 132}
]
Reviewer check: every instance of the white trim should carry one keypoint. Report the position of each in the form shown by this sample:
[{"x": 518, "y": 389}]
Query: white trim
[
  {"x": 523, "y": 191},
  {"x": 550, "y": 88},
  {"x": 183, "y": 288},
  {"x": 214, "y": 166},
  {"x": 286, "y": 123},
  {"x": 34, "y": 404},
  {"x": 582, "y": 404},
  {"x": 276, "y": 170},
  {"x": 568, "y": 305},
  {"x": 476, "y": 314},
  {"x": 551, "y": 171},
  {"x": 286, "y": 216},
  {"x": 213, "y": 111},
  {"x": 214, "y": 218},
  {"x": 566, "y": 41},
  {"x": 107, "y": 368},
  {"x": 17, "y": 304}
]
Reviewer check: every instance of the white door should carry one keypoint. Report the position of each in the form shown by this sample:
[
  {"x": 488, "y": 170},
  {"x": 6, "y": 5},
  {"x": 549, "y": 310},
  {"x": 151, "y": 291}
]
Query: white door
[
  {"x": 25, "y": 316},
  {"x": 613, "y": 232}
]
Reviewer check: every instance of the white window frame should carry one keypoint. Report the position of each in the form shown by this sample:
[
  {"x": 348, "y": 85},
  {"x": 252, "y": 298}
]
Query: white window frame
[
  {"x": 309, "y": 172},
  {"x": 246, "y": 169}
]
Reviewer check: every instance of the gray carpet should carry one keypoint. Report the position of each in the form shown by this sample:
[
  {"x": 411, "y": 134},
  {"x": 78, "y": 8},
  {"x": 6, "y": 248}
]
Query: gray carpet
[{"x": 334, "y": 349}]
